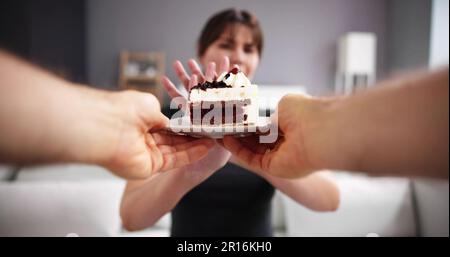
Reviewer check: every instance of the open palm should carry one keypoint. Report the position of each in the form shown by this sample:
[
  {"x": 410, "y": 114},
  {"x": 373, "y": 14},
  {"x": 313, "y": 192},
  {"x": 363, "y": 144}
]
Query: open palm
[{"x": 217, "y": 156}]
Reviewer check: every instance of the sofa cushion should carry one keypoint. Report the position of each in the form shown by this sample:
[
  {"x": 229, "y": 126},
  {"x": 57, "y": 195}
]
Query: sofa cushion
[
  {"x": 67, "y": 190},
  {"x": 59, "y": 208},
  {"x": 369, "y": 206},
  {"x": 6, "y": 172},
  {"x": 65, "y": 172}
]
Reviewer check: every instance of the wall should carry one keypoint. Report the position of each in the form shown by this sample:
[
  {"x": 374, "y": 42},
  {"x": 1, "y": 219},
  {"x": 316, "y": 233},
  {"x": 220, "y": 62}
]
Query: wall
[
  {"x": 439, "y": 38},
  {"x": 300, "y": 36},
  {"x": 49, "y": 33},
  {"x": 433, "y": 196},
  {"x": 408, "y": 34}
]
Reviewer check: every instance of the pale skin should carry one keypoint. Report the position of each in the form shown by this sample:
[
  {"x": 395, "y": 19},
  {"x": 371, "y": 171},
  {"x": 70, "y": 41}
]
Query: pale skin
[
  {"x": 145, "y": 201},
  {"x": 45, "y": 119},
  {"x": 398, "y": 128}
]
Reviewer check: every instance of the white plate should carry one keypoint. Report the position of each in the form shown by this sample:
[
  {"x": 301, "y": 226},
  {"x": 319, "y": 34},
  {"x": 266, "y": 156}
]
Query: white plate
[{"x": 183, "y": 126}]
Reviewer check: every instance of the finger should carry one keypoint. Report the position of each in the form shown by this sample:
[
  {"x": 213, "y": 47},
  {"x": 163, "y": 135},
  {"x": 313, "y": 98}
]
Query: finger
[
  {"x": 252, "y": 142},
  {"x": 224, "y": 65},
  {"x": 156, "y": 122},
  {"x": 195, "y": 69},
  {"x": 196, "y": 151},
  {"x": 243, "y": 154},
  {"x": 179, "y": 147},
  {"x": 278, "y": 162},
  {"x": 181, "y": 73},
  {"x": 161, "y": 138},
  {"x": 193, "y": 81},
  {"x": 171, "y": 88},
  {"x": 274, "y": 116},
  {"x": 210, "y": 71}
]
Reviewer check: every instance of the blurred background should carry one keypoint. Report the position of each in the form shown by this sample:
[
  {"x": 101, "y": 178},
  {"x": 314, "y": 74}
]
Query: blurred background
[{"x": 321, "y": 47}]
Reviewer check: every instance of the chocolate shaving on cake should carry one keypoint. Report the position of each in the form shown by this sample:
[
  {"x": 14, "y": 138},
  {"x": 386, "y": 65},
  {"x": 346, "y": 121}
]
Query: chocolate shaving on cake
[
  {"x": 213, "y": 84},
  {"x": 216, "y": 84}
]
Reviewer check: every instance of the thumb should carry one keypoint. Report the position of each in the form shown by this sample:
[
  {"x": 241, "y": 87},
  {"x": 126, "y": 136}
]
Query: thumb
[{"x": 157, "y": 122}]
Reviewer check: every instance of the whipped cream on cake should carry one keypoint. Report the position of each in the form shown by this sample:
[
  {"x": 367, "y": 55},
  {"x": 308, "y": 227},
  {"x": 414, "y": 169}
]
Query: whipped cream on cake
[{"x": 229, "y": 99}]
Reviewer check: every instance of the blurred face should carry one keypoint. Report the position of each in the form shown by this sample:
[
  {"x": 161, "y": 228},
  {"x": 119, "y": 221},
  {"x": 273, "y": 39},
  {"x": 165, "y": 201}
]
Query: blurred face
[{"x": 237, "y": 43}]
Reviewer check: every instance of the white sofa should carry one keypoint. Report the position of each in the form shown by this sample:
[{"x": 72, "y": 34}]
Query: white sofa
[
  {"x": 83, "y": 200},
  {"x": 60, "y": 200}
]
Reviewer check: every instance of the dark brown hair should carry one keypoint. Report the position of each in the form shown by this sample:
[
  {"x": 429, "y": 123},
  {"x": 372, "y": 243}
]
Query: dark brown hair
[{"x": 217, "y": 24}]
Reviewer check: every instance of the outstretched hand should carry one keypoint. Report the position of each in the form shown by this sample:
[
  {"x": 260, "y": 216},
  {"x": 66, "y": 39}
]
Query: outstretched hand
[{"x": 218, "y": 156}]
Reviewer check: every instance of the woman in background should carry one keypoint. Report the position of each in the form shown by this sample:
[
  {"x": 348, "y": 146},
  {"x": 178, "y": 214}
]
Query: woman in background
[{"x": 214, "y": 197}]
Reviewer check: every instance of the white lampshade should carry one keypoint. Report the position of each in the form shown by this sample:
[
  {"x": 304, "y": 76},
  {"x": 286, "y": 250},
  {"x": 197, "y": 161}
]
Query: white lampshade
[{"x": 357, "y": 53}]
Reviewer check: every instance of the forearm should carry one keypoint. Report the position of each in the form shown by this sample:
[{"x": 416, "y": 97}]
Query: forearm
[
  {"x": 145, "y": 202},
  {"x": 400, "y": 127},
  {"x": 66, "y": 121},
  {"x": 316, "y": 191}
]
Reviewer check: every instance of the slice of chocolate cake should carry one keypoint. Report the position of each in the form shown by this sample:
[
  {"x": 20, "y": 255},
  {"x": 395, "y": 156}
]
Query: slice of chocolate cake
[{"x": 229, "y": 100}]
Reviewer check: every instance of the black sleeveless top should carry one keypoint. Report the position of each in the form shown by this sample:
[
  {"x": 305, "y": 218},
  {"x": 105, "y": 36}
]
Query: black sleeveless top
[{"x": 232, "y": 202}]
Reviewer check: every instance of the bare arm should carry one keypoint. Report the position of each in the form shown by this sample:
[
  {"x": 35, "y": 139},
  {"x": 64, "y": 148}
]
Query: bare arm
[
  {"x": 145, "y": 202},
  {"x": 398, "y": 128},
  {"x": 317, "y": 192},
  {"x": 46, "y": 119},
  {"x": 33, "y": 100}
]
